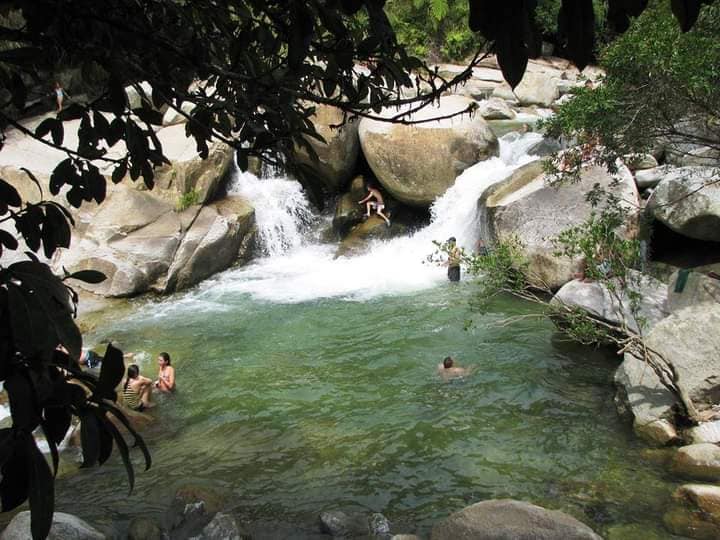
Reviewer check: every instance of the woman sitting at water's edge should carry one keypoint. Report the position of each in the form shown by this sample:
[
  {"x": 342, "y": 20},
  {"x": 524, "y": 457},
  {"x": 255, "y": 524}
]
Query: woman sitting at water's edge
[
  {"x": 137, "y": 390},
  {"x": 166, "y": 374}
]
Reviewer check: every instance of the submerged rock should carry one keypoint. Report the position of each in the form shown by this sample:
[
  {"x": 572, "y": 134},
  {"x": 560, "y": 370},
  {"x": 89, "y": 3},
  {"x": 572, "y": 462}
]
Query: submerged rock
[
  {"x": 505, "y": 519},
  {"x": 696, "y": 512},
  {"x": 143, "y": 528},
  {"x": 524, "y": 207},
  {"x": 688, "y": 202},
  {"x": 340, "y": 524},
  {"x": 418, "y": 163},
  {"x": 64, "y": 527},
  {"x": 221, "y": 527}
]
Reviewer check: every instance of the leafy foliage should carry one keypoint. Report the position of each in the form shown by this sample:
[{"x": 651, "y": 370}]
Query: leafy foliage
[{"x": 662, "y": 86}]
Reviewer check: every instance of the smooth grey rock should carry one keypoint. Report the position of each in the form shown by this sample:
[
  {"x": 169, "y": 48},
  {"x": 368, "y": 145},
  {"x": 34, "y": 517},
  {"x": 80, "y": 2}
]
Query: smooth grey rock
[
  {"x": 338, "y": 155},
  {"x": 697, "y": 461},
  {"x": 64, "y": 527},
  {"x": 509, "y": 519},
  {"x": 687, "y": 200},
  {"x": 545, "y": 147},
  {"x": 598, "y": 301},
  {"x": 535, "y": 89},
  {"x": 683, "y": 339},
  {"x": 495, "y": 109},
  {"x": 705, "y": 432},
  {"x": 524, "y": 207},
  {"x": 340, "y": 524},
  {"x": 648, "y": 178},
  {"x": 221, "y": 527},
  {"x": 417, "y": 163},
  {"x": 213, "y": 243},
  {"x": 698, "y": 289}
]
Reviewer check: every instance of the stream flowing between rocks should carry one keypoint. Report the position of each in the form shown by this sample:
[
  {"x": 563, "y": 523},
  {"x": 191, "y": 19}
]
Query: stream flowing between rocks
[{"x": 307, "y": 383}]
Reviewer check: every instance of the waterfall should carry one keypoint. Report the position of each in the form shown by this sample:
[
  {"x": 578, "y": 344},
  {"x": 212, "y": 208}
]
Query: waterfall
[
  {"x": 282, "y": 212},
  {"x": 296, "y": 269}
]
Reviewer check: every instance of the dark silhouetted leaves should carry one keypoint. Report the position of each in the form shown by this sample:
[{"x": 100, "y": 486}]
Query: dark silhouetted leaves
[
  {"x": 89, "y": 438},
  {"x": 686, "y": 12},
  {"x": 9, "y": 195},
  {"x": 88, "y": 276},
  {"x": 41, "y": 492},
  {"x": 576, "y": 22},
  {"x": 15, "y": 474},
  {"x": 111, "y": 373}
]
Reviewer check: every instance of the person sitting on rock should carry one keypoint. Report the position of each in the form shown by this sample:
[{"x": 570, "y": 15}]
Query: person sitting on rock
[
  {"x": 166, "y": 374},
  {"x": 137, "y": 390},
  {"x": 449, "y": 370},
  {"x": 374, "y": 200}
]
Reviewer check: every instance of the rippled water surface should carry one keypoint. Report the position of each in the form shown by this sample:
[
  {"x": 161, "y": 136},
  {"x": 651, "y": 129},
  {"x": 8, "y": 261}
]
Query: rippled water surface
[
  {"x": 308, "y": 382},
  {"x": 293, "y": 409}
]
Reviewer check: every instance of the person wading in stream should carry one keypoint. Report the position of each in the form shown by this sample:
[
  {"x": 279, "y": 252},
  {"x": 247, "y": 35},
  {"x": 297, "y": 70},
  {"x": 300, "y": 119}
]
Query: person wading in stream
[
  {"x": 166, "y": 374},
  {"x": 378, "y": 204},
  {"x": 453, "y": 262}
]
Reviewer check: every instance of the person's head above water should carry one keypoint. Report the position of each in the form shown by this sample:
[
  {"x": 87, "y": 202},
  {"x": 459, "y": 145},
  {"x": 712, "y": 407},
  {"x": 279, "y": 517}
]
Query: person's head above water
[
  {"x": 451, "y": 240},
  {"x": 448, "y": 362},
  {"x": 165, "y": 357},
  {"x": 133, "y": 371}
]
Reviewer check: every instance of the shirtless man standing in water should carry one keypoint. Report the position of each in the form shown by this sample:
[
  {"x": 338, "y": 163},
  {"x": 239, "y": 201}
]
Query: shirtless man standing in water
[{"x": 448, "y": 369}]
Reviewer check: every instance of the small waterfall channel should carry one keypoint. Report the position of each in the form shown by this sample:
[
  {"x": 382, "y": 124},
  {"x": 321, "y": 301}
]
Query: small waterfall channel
[{"x": 294, "y": 269}]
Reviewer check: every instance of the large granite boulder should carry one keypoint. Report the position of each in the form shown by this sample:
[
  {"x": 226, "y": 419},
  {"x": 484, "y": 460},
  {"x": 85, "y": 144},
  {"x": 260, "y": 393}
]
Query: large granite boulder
[
  {"x": 219, "y": 237},
  {"x": 417, "y": 163},
  {"x": 688, "y": 202},
  {"x": 64, "y": 527},
  {"x": 525, "y": 207},
  {"x": 536, "y": 88},
  {"x": 508, "y": 519},
  {"x": 141, "y": 243},
  {"x": 188, "y": 174},
  {"x": 338, "y": 154},
  {"x": 599, "y": 302},
  {"x": 685, "y": 338}
]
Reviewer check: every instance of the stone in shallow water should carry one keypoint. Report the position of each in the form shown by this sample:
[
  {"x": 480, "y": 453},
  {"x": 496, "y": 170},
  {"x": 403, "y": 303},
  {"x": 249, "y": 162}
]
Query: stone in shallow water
[
  {"x": 707, "y": 432},
  {"x": 142, "y": 528},
  {"x": 338, "y": 523},
  {"x": 505, "y": 519},
  {"x": 698, "y": 461},
  {"x": 64, "y": 527}
]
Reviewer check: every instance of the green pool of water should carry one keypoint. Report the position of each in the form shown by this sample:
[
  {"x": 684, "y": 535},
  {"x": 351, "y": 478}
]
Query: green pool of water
[{"x": 289, "y": 410}]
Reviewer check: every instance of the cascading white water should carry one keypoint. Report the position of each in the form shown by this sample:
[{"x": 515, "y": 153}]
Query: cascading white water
[
  {"x": 282, "y": 212},
  {"x": 297, "y": 272}
]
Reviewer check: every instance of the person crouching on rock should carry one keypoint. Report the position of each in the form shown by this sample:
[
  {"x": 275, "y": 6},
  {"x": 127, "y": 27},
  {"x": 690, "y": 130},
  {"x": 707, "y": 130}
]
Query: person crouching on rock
[
  {"x": 166, "y": 374},
  {"x": 374, "y": 200},
  {"x": 137, "y": 390}
]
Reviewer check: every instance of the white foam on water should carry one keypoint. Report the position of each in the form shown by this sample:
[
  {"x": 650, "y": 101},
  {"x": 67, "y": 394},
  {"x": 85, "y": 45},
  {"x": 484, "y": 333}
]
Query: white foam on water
[
  {"x": 296, "y": 269},
  {"x": 282, "y": 212}
]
